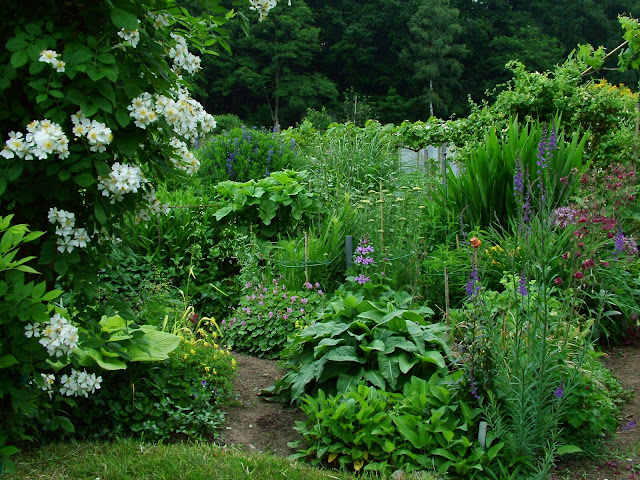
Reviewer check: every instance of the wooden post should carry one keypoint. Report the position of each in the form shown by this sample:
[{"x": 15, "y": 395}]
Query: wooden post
[
  {"x": 306, "y": 257},
  {"x": 381, "y": 218},
  {"x": 348, "y": 249},
  {"x": 446, "y": 295}
]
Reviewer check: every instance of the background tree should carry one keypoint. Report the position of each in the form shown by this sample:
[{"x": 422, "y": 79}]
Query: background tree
[
  {"x": 271, "y": 79},
  {"x": 435, "y": 54}
]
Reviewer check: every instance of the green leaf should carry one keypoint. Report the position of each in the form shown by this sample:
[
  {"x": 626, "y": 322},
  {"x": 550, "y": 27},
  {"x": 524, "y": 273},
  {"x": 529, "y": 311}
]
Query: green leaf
[
  {"x": 100, "y": 214},
  {"x": 124, "y": 19},
  {"x": 123, "y": 118},
  {"x": 565, "y": 449},
  {"x": 85, "y": 180},
  {"x": 19, "y": 58},
  {"x": 160, "y": 345},
  {"x": 7, "y": 361},
  {"x": 434, "y": 357},
  {"x": 345, "y": 353},
  {"x": 17, "y": 43},
  {"x": 388, "y": 366}
]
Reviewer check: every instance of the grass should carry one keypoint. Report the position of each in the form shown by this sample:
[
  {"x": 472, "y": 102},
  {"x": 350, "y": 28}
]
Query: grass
[{"x": 133, "y": 459}]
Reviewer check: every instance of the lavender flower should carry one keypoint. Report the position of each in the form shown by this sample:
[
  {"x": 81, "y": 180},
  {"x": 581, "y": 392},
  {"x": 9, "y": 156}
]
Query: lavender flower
[
  {"x": 473, "y": 283},
  {"x": 619, "y": 244},
  {"x": 518, "y": 179},
  {"x": 362, "y": 279},
  {"x": 559, "y": 393},
  {"x": 522, "y": 285},
  {"x": 563, "y": 217}
]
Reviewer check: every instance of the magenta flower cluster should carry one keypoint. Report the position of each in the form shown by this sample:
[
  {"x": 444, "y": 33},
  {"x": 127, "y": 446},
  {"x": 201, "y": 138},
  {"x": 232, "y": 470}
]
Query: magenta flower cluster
[
  {"x": 364, "y": 251},
  {"x": 264, "y": 303}
]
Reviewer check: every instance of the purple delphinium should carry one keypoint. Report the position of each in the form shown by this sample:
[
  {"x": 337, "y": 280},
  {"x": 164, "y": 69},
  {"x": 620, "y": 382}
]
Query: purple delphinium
[
  {"x": 518, "y": 179},
  {"x": 559, "y": 393},
  {"x": 526, "y": 209},
  {"x": 230, "y": 162},
  {"x": 522, "y": 285},
  {"x": 474, "y": 388},
  {"x": 619, "y": 244},
  {"x": 472, "y": 286}
]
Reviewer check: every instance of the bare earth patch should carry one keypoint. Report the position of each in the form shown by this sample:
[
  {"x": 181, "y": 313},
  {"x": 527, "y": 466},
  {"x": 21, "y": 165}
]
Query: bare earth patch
[{"x": 256, "y": 424}]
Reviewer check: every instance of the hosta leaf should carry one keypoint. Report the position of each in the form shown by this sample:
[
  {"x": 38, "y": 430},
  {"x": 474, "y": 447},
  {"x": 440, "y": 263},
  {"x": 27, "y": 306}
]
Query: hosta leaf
[{"x": 388, "y": 366}]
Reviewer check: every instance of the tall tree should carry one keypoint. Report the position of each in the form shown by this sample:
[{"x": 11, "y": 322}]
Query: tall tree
[
  {"x": 271, "y": 76},
  {"x": 435, "y": 53}
]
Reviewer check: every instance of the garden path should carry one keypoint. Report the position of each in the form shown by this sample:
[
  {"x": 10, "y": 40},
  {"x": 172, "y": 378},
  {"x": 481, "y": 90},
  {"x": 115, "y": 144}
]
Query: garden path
[{"x": 256, "y": 424}]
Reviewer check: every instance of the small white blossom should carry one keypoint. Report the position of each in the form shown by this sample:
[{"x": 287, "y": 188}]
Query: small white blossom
[
  {"x": 130, "y": 37},
  {"x": 79, "y": 383},
  {"x": 122, "y": 179},
  {"x": 59, "y": 336}
]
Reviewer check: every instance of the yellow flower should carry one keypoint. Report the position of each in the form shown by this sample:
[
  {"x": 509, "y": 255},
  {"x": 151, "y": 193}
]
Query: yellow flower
[
  {"x": 206, "y": 344},
  {"x": 207, "y": 369},
  {"x": 185, "y": 356},
  {"x": 233, "y": 362},
  {"x": 193, "y": 352}
]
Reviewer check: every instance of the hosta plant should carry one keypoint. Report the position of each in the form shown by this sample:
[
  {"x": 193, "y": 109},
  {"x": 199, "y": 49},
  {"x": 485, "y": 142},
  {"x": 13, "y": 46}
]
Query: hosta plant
[
  {"x": 425, "y": 427},
  {"x": 367, "y": 337}
]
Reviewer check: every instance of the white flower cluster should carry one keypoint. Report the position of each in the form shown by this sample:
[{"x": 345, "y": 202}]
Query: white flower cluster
[
  {"x": 263, "y": 6},
  {"x": 70, "y": 237},
  {"x": 98, "y": 134},
  {"x": 44, "y": 137},
  {"x": 51, "y": 57},
  {"x": 142, "y": 110},
  {"x": 59, "y": 336},
  {"x": 79, "y": 383},
  {"x": 122, "y": 179},
  {"x": 186, "y": 116},
  {"x": 154, "y": 208},
  {"x": 160, "y": 20},
  {"x": 182, "y": 58},
  {"x": 182, "y": 157},
  {"x": 130, "y": 37}
]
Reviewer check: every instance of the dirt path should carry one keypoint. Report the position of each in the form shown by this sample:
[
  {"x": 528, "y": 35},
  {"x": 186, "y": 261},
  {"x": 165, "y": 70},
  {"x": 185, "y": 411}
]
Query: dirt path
[
  {"x": 267, "y": 427},
  {"x": 257, "y": 424}
]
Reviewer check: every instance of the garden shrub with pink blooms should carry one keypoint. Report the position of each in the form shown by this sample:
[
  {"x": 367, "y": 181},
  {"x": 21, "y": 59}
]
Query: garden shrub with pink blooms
[{"x": 268, "y": 314}]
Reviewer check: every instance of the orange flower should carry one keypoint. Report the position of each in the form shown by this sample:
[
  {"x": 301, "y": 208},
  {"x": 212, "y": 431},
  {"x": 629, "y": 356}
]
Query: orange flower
[{"x": 475, "y": 242}]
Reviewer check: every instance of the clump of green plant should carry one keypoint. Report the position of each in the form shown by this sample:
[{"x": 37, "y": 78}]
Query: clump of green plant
[
  {"x": 268, "y": 314},
  {"x": 351, "y": 159},
  {"x": 427, "y": 426},
  {"x": 180, "y": 397},
  {"x": 368, "y": 335},
  {"x": 484, "y": 191},
  {"x": 281, "y": 197},
  {"x": 243, "y": 154}
]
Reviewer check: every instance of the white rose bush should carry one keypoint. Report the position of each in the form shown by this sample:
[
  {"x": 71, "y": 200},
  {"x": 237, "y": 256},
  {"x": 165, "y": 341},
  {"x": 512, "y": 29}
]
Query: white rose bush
[{"x": 95, "y": 109}]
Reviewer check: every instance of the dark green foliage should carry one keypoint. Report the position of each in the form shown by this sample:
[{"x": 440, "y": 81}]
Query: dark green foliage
[
  {"x": 426, "y": 426},
  {"x": 243, "y": 154},
  {"x": 178, "y": 398},
  {"x": 370, "y": 336}
]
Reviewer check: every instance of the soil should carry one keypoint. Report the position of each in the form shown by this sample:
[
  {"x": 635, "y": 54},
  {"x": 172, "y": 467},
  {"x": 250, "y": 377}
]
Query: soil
[{"x": 258, "y": 425}]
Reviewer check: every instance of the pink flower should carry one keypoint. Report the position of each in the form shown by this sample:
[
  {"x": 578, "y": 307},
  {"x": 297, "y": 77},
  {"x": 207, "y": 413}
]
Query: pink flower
[
  {"x": 578, "y": 275},
  {"x": 558, "y": 281},
  {"x": 308, "y": 285},
  {"x": 302, "y": 310},
  {"x": 285, "y": 317},
  {"x": 293, "y": 299},
  {"x": 320, "y": 292},
  {"x": 304, "y": 301},
  {"x": 261, "y": 303},
  {"x": 270, "y": 314}
]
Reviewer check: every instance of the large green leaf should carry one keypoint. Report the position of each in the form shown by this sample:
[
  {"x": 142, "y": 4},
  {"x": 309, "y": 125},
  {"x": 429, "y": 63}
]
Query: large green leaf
[
  {"x": 389, "y": 368},
  {"x": 159, "y": 347},
  {"x": 345, "y": 353}
]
